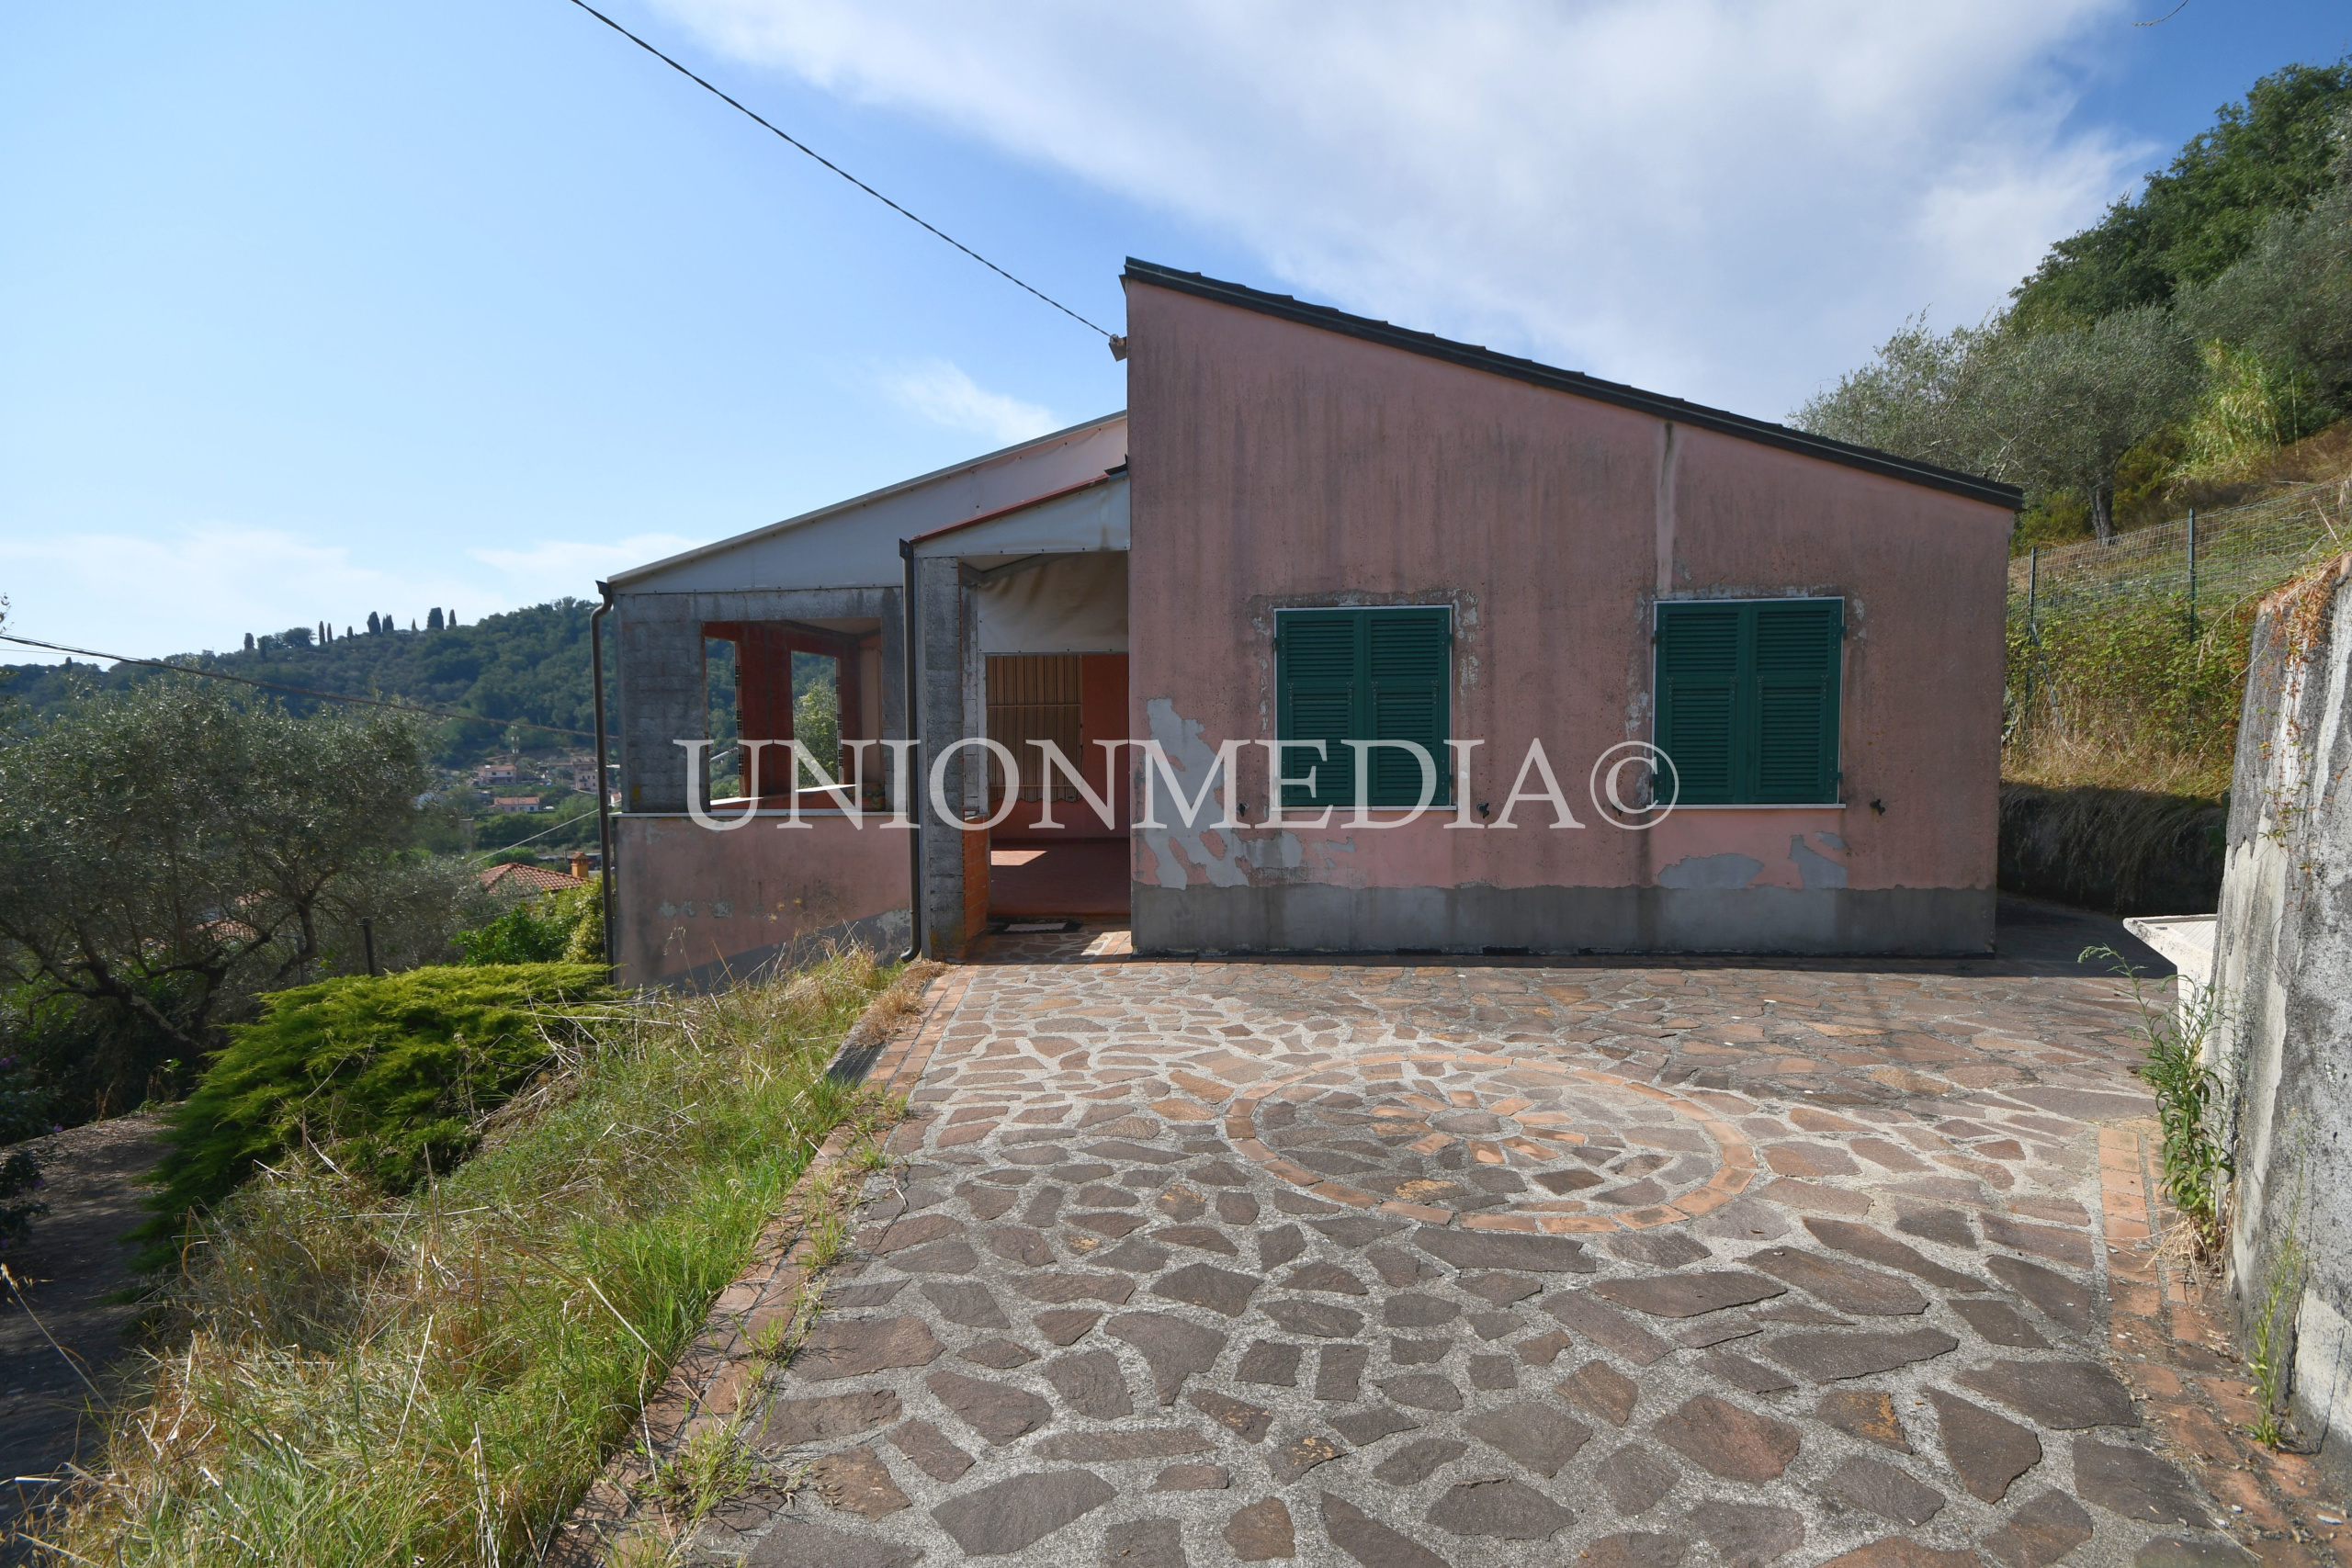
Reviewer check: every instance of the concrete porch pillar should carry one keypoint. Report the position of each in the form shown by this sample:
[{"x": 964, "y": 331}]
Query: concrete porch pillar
[{"x": 950, "y": 705}]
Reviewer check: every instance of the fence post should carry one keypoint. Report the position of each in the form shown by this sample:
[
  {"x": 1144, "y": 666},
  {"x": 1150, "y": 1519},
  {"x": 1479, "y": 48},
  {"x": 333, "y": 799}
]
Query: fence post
[
  {"x": 2192, "y": 573},
  {"x": 2033, "y": 633}
]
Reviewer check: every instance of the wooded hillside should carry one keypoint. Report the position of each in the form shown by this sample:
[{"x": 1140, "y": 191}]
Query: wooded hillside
[
  {"x": 521, "y": 672},
  {"x": 2176, "y": 346}
]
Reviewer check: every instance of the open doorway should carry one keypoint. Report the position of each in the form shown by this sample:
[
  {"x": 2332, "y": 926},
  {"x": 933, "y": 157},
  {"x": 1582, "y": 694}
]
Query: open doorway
[
  {"x": 777, "y": 681},
  {"x": 1080, "y": 866}
]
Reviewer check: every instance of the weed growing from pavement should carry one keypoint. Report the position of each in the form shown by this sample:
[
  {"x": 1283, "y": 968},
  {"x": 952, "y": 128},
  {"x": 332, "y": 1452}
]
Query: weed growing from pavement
[
  {"x": 349, "y": 1376},
  {"x": 2196, "y": 1163},
  {"x": 2268, "y": 1359},
  {"x": 711, "y": 1465},
  {"x": 826, "y": 1227}
]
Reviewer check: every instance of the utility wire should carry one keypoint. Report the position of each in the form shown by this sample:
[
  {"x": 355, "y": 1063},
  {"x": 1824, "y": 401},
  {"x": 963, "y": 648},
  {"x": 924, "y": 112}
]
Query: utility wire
[
  {"x": 836, "y": 168},
  {"x": 484, "y": 854},
  {"x": 297, "y": 691}
]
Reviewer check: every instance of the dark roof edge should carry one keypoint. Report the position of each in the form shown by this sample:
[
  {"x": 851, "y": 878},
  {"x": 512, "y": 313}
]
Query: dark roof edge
[{"x": 1578, "y": 384}]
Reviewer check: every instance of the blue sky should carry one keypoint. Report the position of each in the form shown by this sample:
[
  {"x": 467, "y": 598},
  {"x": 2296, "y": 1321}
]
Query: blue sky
[{"x": 310, "y": 310}]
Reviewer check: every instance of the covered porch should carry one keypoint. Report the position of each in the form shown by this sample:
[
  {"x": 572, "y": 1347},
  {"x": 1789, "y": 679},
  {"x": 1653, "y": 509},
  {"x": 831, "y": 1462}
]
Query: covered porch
[{"x": 1021, "y": 643}]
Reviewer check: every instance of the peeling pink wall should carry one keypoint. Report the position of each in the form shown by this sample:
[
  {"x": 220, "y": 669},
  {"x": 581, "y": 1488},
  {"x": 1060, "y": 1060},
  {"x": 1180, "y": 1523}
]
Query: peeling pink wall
[
  {"x": 1275, "y": 464},
  {"x": 690, "y": 898}
]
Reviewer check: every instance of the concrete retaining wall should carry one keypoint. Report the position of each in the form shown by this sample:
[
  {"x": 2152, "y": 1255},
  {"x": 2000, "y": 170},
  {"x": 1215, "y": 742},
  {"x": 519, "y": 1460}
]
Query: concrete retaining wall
[
  {"x": 2283, "y": 977},
  {"x": 2127, "y": 852}
]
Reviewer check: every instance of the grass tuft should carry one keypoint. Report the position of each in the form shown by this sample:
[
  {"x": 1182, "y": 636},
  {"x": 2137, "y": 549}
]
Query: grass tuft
[
  {"x": 2269, "y": 1359},
  {"x": 357, "y": 1376},
  {"x": 2197, "y": 1163},
  {"x": 711, "y": 1466}
]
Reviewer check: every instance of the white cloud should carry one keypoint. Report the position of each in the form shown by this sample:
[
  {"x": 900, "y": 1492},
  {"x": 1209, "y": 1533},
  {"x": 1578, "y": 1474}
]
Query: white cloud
[
  {"x": 941, "y": 392},
  {"x": 553, "y": 567},
  {"x": 206, "y": 585},
  {"x": 199, "y": 587},
  {"x": 1727, "y": 199}
]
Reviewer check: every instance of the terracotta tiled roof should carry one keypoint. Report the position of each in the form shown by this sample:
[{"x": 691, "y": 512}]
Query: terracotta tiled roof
[{"x": 517, "y": 877}]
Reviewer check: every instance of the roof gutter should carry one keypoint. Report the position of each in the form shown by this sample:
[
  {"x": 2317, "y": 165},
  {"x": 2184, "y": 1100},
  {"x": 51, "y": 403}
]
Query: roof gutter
[{"x": 914, "y": 747}]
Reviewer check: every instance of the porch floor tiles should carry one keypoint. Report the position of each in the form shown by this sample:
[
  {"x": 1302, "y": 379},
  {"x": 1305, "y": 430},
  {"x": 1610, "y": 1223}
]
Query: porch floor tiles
[{"x": 1206, "y": 1262}]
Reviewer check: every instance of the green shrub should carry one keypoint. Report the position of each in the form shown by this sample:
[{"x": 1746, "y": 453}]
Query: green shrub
[
  {"x": 98, "y": 1058},
  {"x": 24, "y": 1113},
  {"x": 2123, "y": 691},
  {"x": 541, "y": 930},
  {"x": 587, "y": 941},
  {"x": 386, "y": 1076},
  {"x": 530, "y": 932}
]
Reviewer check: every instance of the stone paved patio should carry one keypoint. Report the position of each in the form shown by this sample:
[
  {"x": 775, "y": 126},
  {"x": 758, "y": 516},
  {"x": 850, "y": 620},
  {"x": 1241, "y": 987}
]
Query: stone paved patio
[{"x": 1400, "y": 1265}]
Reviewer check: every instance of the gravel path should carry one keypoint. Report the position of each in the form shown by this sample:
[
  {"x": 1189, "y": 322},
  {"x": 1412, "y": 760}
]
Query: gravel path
[{"x": 74, "y": 1261}]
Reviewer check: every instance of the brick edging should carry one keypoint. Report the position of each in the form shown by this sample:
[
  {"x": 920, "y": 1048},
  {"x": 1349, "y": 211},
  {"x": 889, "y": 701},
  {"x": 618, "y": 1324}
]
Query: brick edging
[
  {"x": 713, "y": 1379},
  {"x": 2171, "y": 1343}
]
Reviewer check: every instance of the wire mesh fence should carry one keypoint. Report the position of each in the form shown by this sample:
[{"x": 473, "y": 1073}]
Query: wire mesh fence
[
  {"x": 2211, "y": 562},
  {"x": 2126, "y": 660}
]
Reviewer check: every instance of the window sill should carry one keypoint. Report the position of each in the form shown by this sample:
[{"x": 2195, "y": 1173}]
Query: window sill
[{"x": 1759, "y": 806}]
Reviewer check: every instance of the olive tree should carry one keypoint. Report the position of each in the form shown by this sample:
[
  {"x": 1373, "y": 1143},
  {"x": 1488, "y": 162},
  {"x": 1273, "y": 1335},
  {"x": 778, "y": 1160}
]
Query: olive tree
[
  {"x": 1921, "y": 395},
  {"x": 2061, "y": 406},
  {"x": 2050, "y": 411},
  {"x": 167, "y": 851}
]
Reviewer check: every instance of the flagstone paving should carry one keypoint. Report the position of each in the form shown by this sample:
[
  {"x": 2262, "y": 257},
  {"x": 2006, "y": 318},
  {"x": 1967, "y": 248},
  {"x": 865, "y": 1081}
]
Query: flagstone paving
[{"x": 1210, "y": 1262}]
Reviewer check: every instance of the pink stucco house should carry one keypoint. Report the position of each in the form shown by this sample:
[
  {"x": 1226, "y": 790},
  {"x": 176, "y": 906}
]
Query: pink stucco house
[{"x": 1312, "y": 527}]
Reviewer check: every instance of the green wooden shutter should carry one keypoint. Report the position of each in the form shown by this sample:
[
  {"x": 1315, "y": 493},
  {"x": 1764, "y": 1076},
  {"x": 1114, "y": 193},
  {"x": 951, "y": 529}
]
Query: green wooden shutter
[
  {"x": 1796, "y": 662},
  {"x": 1344, "y": 675},
  {"x": 1409, "y": 657},
  {"x": 1319, "y": 687},
  {"x": 1747, "y": 699},
  {"x": 1699, "y": 648}
]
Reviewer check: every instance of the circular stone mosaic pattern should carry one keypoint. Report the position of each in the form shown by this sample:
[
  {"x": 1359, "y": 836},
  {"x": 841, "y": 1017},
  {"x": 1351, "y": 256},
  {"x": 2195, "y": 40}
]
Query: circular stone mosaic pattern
[{"x": 1503, "y": 1143}]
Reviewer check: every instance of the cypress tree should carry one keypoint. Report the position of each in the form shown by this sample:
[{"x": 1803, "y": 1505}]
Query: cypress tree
[
  {"x": 433, "y": 619},
  {"x": 374, "y": 626}
]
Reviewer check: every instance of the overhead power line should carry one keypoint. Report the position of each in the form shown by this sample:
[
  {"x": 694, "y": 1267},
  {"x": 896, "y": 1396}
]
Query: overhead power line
[
  {"x": 1117, "y": 343},
  {"x": 296, "y": 691}
]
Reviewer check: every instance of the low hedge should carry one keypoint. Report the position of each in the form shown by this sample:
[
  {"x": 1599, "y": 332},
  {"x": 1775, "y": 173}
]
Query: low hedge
[{"x": 388, "y": 1075}]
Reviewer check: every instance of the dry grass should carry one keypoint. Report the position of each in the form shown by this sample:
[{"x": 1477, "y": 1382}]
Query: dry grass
[
  {"x": 436, "y": 1380},
  {"x": 2083, "y": 758},
  {"x": 2326, "y": 454},
  {"x": 898, "y": 1002}
]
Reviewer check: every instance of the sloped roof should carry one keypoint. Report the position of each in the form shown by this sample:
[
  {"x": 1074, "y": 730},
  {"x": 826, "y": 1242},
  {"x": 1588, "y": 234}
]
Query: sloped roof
[
  {"x": 977, "y": 485},
  {"x": 530, "y": 880},
  {"x": 1577, "y": 383}
]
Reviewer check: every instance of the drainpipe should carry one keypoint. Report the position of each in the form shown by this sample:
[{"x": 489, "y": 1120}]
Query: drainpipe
[
  {"x": 604, "y": 789},
  {"x": 912, "y": 806}
]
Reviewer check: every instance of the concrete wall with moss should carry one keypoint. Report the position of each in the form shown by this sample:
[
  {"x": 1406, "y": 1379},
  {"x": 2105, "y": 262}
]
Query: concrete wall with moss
[{"x": 2283, "y": 987}]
